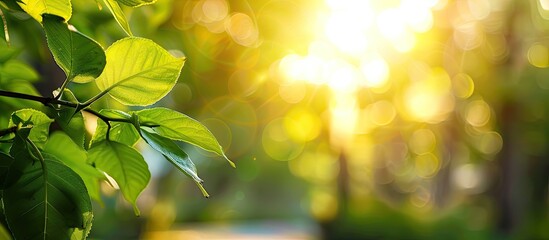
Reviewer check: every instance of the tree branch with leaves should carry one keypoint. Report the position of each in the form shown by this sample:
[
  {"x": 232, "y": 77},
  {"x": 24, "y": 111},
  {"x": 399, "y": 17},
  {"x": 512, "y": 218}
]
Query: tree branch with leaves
[{"x": 47, "y": 180}]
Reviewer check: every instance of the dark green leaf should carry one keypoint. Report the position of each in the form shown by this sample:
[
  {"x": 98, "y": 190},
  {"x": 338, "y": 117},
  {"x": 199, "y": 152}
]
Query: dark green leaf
[
  {"x": 48, "y": 202},
  {"x": 79, "y": 56},
  {"x": 125, "y": 165},
  {"x": 174, "y": 154},
  {"x": 9, "y": 174},
  {"x": 72, "y": 155}
]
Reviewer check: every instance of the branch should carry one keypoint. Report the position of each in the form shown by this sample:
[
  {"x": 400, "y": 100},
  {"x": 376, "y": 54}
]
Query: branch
[
  {"x": 44, "y": 100},
  {"x": 111, "y": 119}
]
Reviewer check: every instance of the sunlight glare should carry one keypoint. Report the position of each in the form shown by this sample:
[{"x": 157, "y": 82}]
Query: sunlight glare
[
  {"x": 418, "y": 16},
  {"x": 375, "y": 71},
  {"x": 344, "y": 116},
  {"x": 344, "y": 78},
  {"x": 345, "y": 31},
  {"x": 391, "y": 24}
]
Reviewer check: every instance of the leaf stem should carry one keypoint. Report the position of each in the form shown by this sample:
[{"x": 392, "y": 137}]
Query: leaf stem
[{"x": 63, "y": 86}]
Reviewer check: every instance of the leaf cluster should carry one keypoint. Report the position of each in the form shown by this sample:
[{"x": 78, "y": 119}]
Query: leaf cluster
[{"x": 47, "y": 180}]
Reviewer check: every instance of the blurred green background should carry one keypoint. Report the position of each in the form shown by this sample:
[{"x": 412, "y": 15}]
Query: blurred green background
[{"x": 347, "y": 119}]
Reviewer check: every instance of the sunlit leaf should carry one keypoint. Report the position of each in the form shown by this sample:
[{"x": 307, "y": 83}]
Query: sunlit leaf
[
  {"x": 138, "y": 71},
  {"x": 120, "y": 131},
  {"x": 39, "y": 121},
  {"x": 178, "y": 126},
  {"x": 174, "y": 154},
  {"x": 72, "y": 155},
  {"x": 118, "y": 15},
  {"x": 15, "y": 69},
  {"x": 79, "y": 56},
  {"x": 136, "y": 3},
  {"x": 35, "y": 8},
  {"x": 125, "y": 165},
  {"x": 48, "y": 202}
]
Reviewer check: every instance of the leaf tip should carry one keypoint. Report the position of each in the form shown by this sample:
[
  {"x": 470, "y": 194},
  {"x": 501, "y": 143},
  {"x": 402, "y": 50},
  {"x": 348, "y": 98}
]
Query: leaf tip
[
  {"x": 136, "y": 210},
  {"x": 202, "y": 189},
  {"x": 230, "y": 162}
]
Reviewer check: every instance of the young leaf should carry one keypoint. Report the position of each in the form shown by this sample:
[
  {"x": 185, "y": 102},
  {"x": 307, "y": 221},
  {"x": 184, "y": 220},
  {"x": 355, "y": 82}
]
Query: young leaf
[
  {"x": 138, "y": 72},
  {"x": 79, "y": 56},
  {"x": 70, "y": 121},
  {"x": 72, "y": 155},
  {"x": 118, "y": 15},
  {"x": 39, "y": 121},
  {"x": 35, "y": 8},
  {"x": 178, "y": 126},
  {"x": 174, "y": 154},
  {"x": 125, "y": 165},
  {"x": 120, "y": 131},
  {"x": 48, "y": 202},
  {"x": 136, "y": 3}
]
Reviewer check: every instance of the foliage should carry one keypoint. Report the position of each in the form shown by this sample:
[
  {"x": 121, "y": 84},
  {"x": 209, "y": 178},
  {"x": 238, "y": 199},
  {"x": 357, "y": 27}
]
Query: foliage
[{"x": 47, "y": 180}]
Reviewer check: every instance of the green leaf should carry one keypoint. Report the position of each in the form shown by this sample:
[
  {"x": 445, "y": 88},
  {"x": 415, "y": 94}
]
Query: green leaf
[
  {"x": 178, "y": 126},
  {"x": 118, "y": 15},
  {"x": 48, "y": 202},
  {"x": 79, "y": 56},
  {"x": 9, "y": 174},
  {"x": 39, "y": 121},
  {"x": 120, "y": 132},
  {"x": 70, "y": 121},
  {"x": 138, "y": 72},
  {"x": 174, "y": 154},
  {"x": 15, "y": 69},
  {"x": 63, "y": 148},
  {"x": 125, "y": 165},
  {"x": 20, "y": 153},
  {"x": 35, "y": 8},
  {"x": 136, "y": 3}
]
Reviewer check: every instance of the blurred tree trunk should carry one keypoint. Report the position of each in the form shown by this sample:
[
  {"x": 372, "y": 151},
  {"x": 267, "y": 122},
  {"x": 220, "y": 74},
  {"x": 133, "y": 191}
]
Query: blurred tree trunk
[{"x": 509, "y": 193}]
